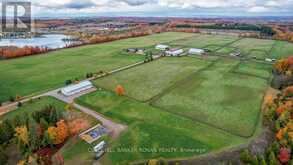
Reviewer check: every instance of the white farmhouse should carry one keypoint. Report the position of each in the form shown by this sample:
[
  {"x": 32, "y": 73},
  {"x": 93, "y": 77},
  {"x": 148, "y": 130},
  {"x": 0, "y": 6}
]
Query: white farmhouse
[
  {"x": 76, "y": 88},
  {"x": 174, "y": 52},
  {"x": 162, "y": 47},
  {"x": 196, "y": 51}
]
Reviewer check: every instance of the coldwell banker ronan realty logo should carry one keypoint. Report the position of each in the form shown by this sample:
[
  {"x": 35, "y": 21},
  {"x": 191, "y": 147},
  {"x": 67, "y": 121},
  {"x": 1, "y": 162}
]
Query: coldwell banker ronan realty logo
[{"x": 16, "y": 16}]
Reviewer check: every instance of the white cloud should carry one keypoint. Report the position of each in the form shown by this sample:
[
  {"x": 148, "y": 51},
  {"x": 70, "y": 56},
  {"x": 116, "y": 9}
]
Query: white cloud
[
  {"x": 258, "y": 9},
  {"x": 94, "y": 6}
]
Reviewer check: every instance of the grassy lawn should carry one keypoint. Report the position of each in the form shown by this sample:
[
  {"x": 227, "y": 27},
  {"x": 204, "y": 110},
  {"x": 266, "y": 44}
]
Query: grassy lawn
[
  {"x": 219, "y": 98},
  {"x": 255, "y": 69},
  {"x": 145, "y": 81},
  {"x": 202, "y": 41},
  {"x": 36, "y": 105},
  {"x": 152, "y": 128},
  {"x": 252, "y": 47},
  {"x": 282, "y": 49},
  {"x": 32, "y": 74}
]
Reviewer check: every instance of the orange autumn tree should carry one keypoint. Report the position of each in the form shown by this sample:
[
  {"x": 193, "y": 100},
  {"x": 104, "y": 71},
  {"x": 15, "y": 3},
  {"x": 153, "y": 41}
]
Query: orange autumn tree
[
  {"x": 58, "y": 134},
  {"x": 120, "y": 90},
  {"x": 62, "y": 132}
]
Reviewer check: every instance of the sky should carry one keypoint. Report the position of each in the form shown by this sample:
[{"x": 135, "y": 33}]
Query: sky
[{"x": 171, "y": 8}]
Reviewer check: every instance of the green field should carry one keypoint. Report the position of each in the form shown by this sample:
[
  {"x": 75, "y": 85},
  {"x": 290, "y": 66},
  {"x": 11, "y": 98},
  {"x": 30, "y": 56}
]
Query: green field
[
  {"x": 254, "y": 69},
  {"x": 152, "y": 128},
  {"x": 254, "y": 47},
  {"x": 212, "y": 42},
  {"x": 214, "y": 96},
  {"x": 36, "y": 105},
  {"x": 32, "y": 74},
  {"x": 148, "y": 80},
  {"x": 282, "y": 49}
]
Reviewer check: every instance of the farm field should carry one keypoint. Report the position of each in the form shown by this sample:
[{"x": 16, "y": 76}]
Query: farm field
[
  {"x": 205, "y": 103},
  {"x": 148, "y": 80},
  {"x": 219, "y": 98},
  {"x": 33, "y": 74},
  {"x": 282, "y": 49},
  {"x": 254, "y": 47},
  {"x": 211, "y": 42},
  {"x": 152, "y": 128},
  {"x": 254, "y": 69}
]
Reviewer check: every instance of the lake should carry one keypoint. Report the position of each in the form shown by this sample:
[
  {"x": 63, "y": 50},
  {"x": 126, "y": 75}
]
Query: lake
[{"x": 52, "y": 41}]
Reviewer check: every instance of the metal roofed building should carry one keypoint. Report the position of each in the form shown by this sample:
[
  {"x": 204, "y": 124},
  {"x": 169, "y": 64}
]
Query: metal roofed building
[
  {"x": 76, "y": 88},
  {"x": 162, "y": 47},
  {"x": 196, "y": 51}
]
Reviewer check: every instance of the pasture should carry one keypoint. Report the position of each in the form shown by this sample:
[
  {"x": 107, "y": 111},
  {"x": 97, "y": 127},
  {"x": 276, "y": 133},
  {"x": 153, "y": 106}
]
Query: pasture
[
  {"x": 24, "y": 76},
  {"x": 217, "y": 97},
  {"x": 148, "y": 80}
]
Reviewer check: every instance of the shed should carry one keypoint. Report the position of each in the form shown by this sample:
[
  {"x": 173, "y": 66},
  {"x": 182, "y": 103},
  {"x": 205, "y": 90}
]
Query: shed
[
  {"x": 174, "y": 52},
  {"x": 76, "y": 88},
  {"x": 162, "y": 47},
  {"x": 196, "y": 51}
]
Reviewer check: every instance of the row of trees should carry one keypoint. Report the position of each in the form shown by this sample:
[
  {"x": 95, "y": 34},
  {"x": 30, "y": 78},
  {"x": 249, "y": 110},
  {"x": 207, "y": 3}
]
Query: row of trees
[
  {"x": 283, "y": 34},
  {"x": 8, "y": 53}
]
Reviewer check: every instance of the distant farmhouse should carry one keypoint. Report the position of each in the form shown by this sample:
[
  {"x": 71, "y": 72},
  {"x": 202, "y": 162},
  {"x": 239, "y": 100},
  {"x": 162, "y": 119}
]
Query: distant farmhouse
[
  {"x": 174, "y": 52},
  {"x": 195, "y": 51},
  {"x": 162, "y": 47}
]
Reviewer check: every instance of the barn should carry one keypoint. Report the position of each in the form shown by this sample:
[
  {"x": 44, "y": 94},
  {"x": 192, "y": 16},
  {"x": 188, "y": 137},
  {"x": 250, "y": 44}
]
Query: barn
[
  {"x": 196, "y": 51},
  {"x": 174, "y": 52},
  {"x": 76, "y": 88}
]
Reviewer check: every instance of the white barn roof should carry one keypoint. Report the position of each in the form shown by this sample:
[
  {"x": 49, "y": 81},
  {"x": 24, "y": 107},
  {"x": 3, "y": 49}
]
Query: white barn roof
[
  {"x": 76, "y": 88},
  {"x": 175, "y": 52},
  {"x": 195, "y": 51}
]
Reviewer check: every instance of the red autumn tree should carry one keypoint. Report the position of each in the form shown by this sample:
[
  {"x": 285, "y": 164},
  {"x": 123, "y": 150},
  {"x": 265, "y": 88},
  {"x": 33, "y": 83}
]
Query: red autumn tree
[
  {"x": 284, "y": 155},
  {"x": 120, "y": 90}
]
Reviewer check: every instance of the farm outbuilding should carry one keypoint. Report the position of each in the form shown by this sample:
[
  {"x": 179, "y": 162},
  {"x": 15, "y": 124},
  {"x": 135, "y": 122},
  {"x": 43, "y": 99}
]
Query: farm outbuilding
[
  {"x": 174, "y": 52},
  {"x": 162, "y": 47},
  {"x": 76, "y": 88},
  {"x": 196, "y": 51}
]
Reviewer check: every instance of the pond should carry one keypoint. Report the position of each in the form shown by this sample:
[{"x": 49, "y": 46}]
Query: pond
[{"x": 52, "y": 41}]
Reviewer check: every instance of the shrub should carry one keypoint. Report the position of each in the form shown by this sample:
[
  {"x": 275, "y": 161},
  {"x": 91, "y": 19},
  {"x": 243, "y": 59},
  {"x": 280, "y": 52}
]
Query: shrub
[
  {"x": 68, "y": 82},
  {"x": 246, "y": 157},
  {"x": 11, "y": 99},
  {"x": 19, "y": 104},
  {"x": 89, "y": 75}
]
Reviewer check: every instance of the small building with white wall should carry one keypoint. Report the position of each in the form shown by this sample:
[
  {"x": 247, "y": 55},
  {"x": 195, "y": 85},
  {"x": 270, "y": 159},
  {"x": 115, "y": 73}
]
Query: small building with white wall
[
  {"x": 195, "y": 51},
  {"x": 162, "y": 47},
  {"x": 174, "y": 52},
  {"x": 76, "y": 88}
]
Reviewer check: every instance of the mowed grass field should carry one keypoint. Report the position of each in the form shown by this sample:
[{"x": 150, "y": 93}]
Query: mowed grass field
[
  {"x": 251, "y": 47},
  {"x": 211, "y": 42},
  {"x": 28, "y": 75},
  {"x": 146, "y": 81},
  {"x": 217, "y": 97},
  {"x": 152, "y": 133}
]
